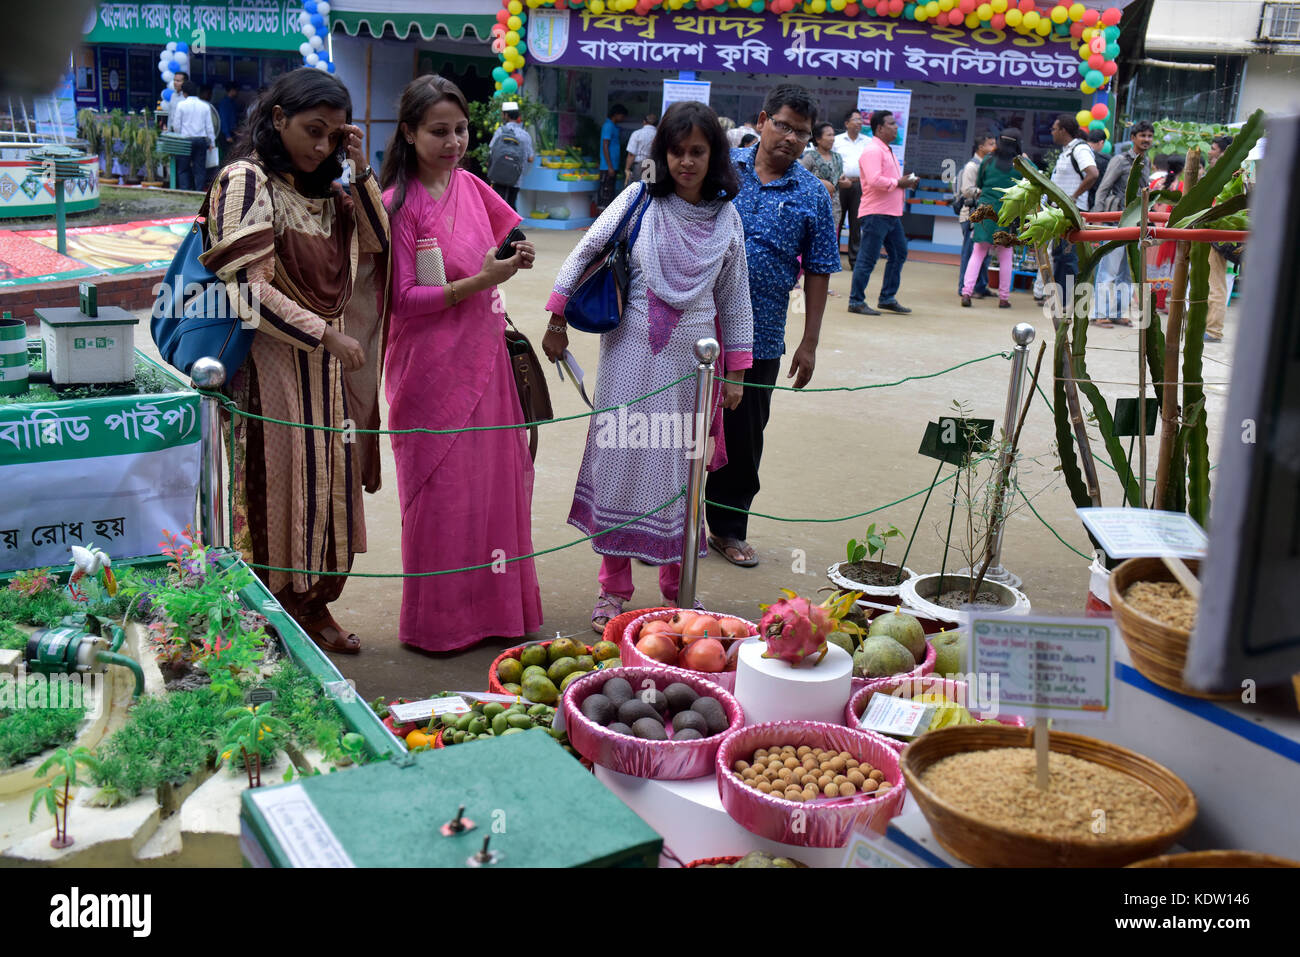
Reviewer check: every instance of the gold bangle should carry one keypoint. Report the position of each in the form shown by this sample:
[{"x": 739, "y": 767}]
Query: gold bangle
[{"x": 452, "y": 296}]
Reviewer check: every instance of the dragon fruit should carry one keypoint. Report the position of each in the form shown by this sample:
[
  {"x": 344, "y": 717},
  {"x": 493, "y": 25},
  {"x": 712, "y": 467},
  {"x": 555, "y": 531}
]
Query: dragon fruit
[{"x": 795, "y": 628}]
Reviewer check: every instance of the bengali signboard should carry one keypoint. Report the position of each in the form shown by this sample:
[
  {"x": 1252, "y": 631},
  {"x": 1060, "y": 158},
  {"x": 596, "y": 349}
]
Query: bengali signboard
[
  {"x": 239, "y": 24},
  {"x": 896, "y": 50},
  {"x": 112, "y": 471}
]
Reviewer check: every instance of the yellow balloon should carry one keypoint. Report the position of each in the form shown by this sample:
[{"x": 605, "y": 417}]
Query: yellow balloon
[
  {"x": 1044, "y": 28},
  {"x": 999, "y": 6},
  {"x": 1015, "y": 18},
  {"x": 1083, "y": 118},
  {"x": 597, "y": 6},
  {"x": 515, "y": 7},
  {"x": 838, "y": 5},
  {"x": 1077, "y": 11},
  {"x": 512, "y": 39},
  {"x": 972, "y": 20},
  {"x": 818, "y": 6},
  {"x": 946, "y": 5},
  {"x": 932, "y": 8},
  {"x": 1031, "y": 20},
  {"x": 1084, "y": 51},
  {"x": 514, "y": 23},
  {"x": 1060, "y": 14},
  {"x": 984, "y": 11},
  {"x": 1088, "y": 34},
  {"x": 1088, "y": 90},
  {"x": 498, "y": 86}
]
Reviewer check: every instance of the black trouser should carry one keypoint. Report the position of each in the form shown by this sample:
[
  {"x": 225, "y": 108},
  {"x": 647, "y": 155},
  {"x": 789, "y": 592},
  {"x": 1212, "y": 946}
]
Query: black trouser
[
  {"x": 850, "y": 200},
  {"x": 736, "y": 483},
  {"x": 605, "y": 191},
  {"x": 192, "y": 170},
  {"x": 508, "y": 193}
]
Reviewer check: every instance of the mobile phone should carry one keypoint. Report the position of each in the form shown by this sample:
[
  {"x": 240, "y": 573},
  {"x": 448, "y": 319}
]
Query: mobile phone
[{"x": 507, "y": 248}]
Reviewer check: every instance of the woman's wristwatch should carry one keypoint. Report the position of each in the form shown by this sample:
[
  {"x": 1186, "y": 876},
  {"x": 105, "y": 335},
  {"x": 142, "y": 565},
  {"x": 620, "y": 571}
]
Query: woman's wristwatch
[
  {"x": 365, "y": 174},
  {"x": 552, "y": 327}
]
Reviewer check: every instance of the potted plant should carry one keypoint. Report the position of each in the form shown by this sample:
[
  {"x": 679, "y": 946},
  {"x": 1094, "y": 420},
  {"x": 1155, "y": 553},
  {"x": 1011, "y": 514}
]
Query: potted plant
[
  {"x": 862, "y": 571},
  {"x": 984, "y": 491}
]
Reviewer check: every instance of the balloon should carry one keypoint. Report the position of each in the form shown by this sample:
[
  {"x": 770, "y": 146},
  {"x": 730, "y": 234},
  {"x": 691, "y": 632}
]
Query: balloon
[
  {"x": 514, "y": 23},
  {"x": 316, "y": 43},
  {"x": 309, "y": 5},
  {"x": 174, "y": 65},
  {"x": 1026, "y": 5},
  {"x": 1077, "y": 10},
  {"x": 1076, "y": 29},
  {"x": 818, "y": 6},
  {"x": 1107, "y": 148},
  {"x": 1109, "y": 68},
  {"x": 1083, "y": 117},
  {"x": 498, "y": 44},
  {"x": 1059, "y": 14},
  {"x": 999, "y": 6},
  {"x": 304, "y": 48},
  {"x": 852, "y": 9},
  {"x": 1111, "y": 17},
  {"x": 309, "y": 30},
  {"x": 931, "y": 8},
  {"x": 168, "y": 76},
  {"x": 183, "y": 59},
  {"x": 1095, "y": 61},
  {"x": 170, "y": 47},
  {"x": 1087, "y": 89},
  {"x": 1090, "y": 17},
  {"x": 955, "y": 18},
  {"x": 313, "y": 58},
  {"x": 499, "y": 73},
  {"x": 318, "y": 21},
  {"x": 509, "y": 85},
  {"x": 1097, "y": 125},
  {"x": 972, "y": 20},
  {"x": 509, "y": 53},
  {"x": 597, "y": 7},
  {"x": 1044, "y": 27},
  {"x": 984, "y": 11},
  {"x": 514, "y": 7},
  {"x": 182, "y": 48},
  {"x": 1014, "y": 18},
  {"x": 998, "y": 22},
  {"x": 167, "y": 92},
  {"x": 966, "y": 7},
  {"x": 522, "y": 47},
  {"x": 1097, "y": 44},
  {"x": 1099, "y": 111},
  {"x": 895, "y": 7},
  {"x": 1031, "y": 20},
  {"x": 324, "y": 65},
  {"x": 1111, "y": 34},
  {"x": 323, "y": 8},
  {"x": 502, "y": 17},
  {"x": 1112, "y": 51},
  {"x": 916, "y": 12},
  {"x": 1095, "y": 78}
]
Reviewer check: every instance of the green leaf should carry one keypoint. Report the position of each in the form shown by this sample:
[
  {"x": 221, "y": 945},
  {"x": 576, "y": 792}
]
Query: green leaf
[
  {"x": 1198, "y": 449},
  {"x": 1214, "y": 213},
  {"x": 1216, "y": 177},
  {"x": 1053, "y": 192}
]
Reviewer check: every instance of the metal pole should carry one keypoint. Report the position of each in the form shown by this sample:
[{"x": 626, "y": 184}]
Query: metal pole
[
  {"x": 706, "y": 351},
  {"x": 60, "y": 217},
  {"x": 1023, "y": 334},
  {"x": 210, "y": 374}
]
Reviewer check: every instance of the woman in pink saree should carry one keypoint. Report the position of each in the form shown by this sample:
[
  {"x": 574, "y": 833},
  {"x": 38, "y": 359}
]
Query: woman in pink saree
[{"x": 466, "y": 498}]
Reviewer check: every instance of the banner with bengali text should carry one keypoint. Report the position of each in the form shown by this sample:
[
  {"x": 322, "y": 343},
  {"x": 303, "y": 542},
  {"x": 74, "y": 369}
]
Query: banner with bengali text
[
  {"x": 224, "y": 24},
  {"x": 887, "y": 49}
]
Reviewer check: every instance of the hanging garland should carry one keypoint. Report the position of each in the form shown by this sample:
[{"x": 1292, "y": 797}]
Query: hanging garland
[
  {"x": 313, "y": 21},
  {"x": 1094, "y": 33},
  {"x": 175, "y": 58}
]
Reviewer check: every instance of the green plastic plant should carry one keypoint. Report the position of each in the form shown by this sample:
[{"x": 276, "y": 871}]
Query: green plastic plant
[
  {"x": 29, "y": 729},
  {"x": 874, "y": 542},
  {"x": 165, "y": 741},
  {"x": 257, "y": 735},
  {"x": 54, "y": 794}
]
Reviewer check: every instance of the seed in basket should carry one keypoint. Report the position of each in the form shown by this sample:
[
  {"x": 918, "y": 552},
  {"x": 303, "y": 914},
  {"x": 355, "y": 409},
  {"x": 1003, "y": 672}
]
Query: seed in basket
[
  {"x": 741, "y": 766},
  {"x": 876, "y": 775},
  {"x": 856, "y": 778}
]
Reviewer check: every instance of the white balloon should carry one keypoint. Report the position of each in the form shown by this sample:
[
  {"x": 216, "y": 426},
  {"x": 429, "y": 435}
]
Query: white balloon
[
  {"x": 183, "y": 60},
  {"x": 317, "y": 43},
  {"x": 168, "y": 76},
  {"x": 322, "y": 8},
  {"x": 323, "y": 65},
  {"x": 305, "y": 48},
  {"x": 309, "y": 31},
  {"x": 171, "y": 47},
  {"x": 312, "y": 59}
]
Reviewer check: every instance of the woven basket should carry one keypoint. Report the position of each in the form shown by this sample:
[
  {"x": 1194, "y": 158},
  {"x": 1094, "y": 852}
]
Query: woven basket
[
  {"x": 494, "y": 684},
  {"x": 614, "y": 630},
  {"x": 1158, "y": 650},
  {"x": 1211, "y": 859},
  {"x": 981, "y": 844}
]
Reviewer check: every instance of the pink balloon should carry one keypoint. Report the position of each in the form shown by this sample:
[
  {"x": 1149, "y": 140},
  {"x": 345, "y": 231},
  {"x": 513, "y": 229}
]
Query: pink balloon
[
  {"x": 1111, "y": 16},
  {"x": 998, "y": 21},
  {"x": 1109, "y": 68},
  {"x": 1095, "y": 61},
  {"x": 1076, "y": 29},
  {"x": 1100, "y": 111},
  {"x": 1097, "y": 44},
  {"x": 956, "y": 17}
]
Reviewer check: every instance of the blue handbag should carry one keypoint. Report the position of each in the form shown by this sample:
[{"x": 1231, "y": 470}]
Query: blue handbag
[
  {"x": 192, "y": 316},
  {"x": 597, "y": 302}
]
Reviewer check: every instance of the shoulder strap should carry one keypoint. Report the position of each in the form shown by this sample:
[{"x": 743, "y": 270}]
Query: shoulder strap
[{"x": 644, "y": 201}]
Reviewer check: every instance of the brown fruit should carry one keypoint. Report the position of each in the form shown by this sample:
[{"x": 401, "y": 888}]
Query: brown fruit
[
  {"x": 877, "y": 775},
  {"x": 847, "y": 789},
  {"x": 869, "y": 785},
  {"x": 831, "y": 791}
]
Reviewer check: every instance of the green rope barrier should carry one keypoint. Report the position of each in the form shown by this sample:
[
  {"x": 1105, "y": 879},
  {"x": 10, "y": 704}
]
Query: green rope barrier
[
  {"x": 1048, "y": 526},
  {"x": 233, "y": 409},
  {"x": 874, "y": 385},
  {"x": 472, "y": 568}
]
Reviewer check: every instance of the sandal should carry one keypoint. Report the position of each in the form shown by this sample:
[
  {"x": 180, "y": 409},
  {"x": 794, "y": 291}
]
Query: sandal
[
  {"x": 328, "y": 635},
  {"x": 607, "y": 607},
  {"x": 723, "y": 546}
]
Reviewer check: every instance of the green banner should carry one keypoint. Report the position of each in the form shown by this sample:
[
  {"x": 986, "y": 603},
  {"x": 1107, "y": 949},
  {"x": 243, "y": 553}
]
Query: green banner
[
  {"x": 95, "y": 428},
  {"x": 229, "y": 24}
]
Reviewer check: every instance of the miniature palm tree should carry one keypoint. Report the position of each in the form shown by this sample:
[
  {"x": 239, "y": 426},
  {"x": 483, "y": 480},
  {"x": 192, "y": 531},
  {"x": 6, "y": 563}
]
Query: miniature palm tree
[
  {"x": 55, "y": 794},
  {"x": 256, "y": 736}
]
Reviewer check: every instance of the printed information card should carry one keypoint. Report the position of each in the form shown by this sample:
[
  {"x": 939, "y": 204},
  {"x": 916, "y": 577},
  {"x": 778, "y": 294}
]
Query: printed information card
[
  {"x": 1145, "y": 532},
  {"x": 1046, "y": 667}
]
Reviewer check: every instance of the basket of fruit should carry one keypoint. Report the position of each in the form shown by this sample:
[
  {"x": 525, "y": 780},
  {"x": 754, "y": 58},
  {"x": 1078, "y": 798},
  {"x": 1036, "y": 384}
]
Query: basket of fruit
[
  {"x": 752, "y": 859},
  {"x": 695, "y": 641},
  {"x": 650, "y": 722},
  {"x": 1104, "y": 806},
  {"x": 614, "y": 629},
  {"x": 542, "y": 670},
  {"x": 952, "y": 697},
  {"x": 895, "y": 646},
  {"x": 839, "y": 778}
]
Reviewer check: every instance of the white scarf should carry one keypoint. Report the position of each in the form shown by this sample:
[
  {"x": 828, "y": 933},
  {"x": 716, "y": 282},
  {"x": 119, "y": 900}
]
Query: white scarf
[{"x": 681, "y": 248}]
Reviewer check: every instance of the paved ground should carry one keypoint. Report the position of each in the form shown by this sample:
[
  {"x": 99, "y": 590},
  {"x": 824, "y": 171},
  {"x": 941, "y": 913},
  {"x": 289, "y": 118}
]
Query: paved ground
[{"x": 827, "y": 455}]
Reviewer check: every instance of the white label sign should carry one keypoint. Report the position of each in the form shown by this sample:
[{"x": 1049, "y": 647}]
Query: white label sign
[
  {"x": 1051, "y": 667},
  {"x": 898, "y": 717},
  {"x": 685, "y": 91},
  {"x": 419, "y": 711},
  {"x": 1145, "y": 532},
  {"x": 299, "y": 828}
]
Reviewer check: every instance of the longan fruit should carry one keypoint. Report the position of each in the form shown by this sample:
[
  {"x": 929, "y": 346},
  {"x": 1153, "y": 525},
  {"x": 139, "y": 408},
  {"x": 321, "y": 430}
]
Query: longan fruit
[
  {"x": 802, "y": 750},
  {"x": 742, "y": 765},
  {"x": 838, "y": 780},
  {"x": 869, "y": 785},
  {"x": 877, "y": 775},
  {"x": 883, "y": 787},
  {"x": 760, "y": 754},
  {"x": 831, "y": 791},
  {"x": 791, "y": 763},
  {"x": 764, "y": 785},
  {"x": 785, "y": 774},
  {"x": 807, "y": 780},
  {"x": 846, "y": 756},
  {"x": 851, "y": 763},
  {"x": 847, "y": 789},
  {"x": 856, "y": 777},
  {"x": 794, "y": 794},
  {"x": 787, "y": 749},
  {"x": 810, "y": 794}
]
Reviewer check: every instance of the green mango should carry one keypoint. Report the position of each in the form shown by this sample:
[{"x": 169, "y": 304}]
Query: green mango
[
  {"x": 492, "y": 709},
  {"x": 540, "y": 709},
  {"x": 513, "y": 731},
  {"x": 512, "y": 688},
  {"x": 459, "y": 737},
  {"x": 521, "y": 721},
  {"x": 556, "y": 733},
  {"x": 586, "y": 663},
  {"x": 477, "y": 726},
  {"x": 464, "y": 721},
  {"x": 500, "y": 723}
]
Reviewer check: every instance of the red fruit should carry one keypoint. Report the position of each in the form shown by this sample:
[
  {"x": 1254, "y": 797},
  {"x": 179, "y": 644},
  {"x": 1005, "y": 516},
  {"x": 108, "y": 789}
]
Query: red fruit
[
  {"x": 659, "y": 647},
  {"x": 683, "y": 618},
  {"x": 734, "y": 628},
  {"x": 703, "y": 626},
  {"x": 654, "y": 628},
  {"x": 706, "y": 654}
]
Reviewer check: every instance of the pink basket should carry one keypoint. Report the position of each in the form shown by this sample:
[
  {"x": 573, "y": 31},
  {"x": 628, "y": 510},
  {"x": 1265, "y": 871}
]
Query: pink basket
[
  {"x": 826, "y": 822},
  {"x": 926, "y": 667},
  {"x": 630, "y": 656},
  {"x": 951, "y": 687},
  {"x": 667, "y": 760}
]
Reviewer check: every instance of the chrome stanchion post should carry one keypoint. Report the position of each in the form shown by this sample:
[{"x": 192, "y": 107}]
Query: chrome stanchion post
[
  {"x": 706, "y": 351},
  {"x": 1023, "y": 334},
  {"x": 208, "y": 373}
]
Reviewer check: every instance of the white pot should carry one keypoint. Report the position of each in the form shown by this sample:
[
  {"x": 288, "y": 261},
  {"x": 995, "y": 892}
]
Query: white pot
[
  {"x": 869, "y": 592},
  {"x": 913, "y": 593}
]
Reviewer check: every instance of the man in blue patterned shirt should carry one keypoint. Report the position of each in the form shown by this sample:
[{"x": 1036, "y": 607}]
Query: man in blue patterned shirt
[{"x": 789, "y": 226}]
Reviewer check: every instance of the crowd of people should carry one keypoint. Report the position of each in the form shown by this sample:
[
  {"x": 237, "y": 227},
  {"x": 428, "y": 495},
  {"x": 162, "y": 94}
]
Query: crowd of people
[{"x": 355, "y": 278}]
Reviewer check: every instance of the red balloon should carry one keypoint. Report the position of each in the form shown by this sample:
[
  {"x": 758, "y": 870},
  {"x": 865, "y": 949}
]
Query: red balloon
[
  {"x": 1100, "y": 111},
  {"x": 998, "y": 21},
  {"x": 1090, "y": 18},
  {"x": 882, "y": 8},
  {"x": 1026, "y": 5},
  {"x": 1109, "y": 68},
  {"x": 895, "y": 7},
  {"x": 1111, "y": 16},
  {"x": 966, "y": 7},
  {"x": 955, "y": 17},
  {"x": 852, "y": 9},
  {"x": 1095, "y": 61},
  {"x": 1076, "y": 29},
  {"x": 503, "y": 15}
]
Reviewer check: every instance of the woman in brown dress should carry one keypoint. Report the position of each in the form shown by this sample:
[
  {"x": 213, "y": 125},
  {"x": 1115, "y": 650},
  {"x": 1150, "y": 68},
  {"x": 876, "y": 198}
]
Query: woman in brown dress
[{"x": 286, "y": 239}]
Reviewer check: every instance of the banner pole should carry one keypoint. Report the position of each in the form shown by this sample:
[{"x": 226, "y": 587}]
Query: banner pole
[
  {"x": 208, "y": 373},
  {"x": 706, "y": 351}
]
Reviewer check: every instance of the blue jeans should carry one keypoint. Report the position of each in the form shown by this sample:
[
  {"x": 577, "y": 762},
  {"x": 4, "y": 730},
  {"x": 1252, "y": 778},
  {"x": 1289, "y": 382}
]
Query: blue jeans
[
  {"x": 1113, "y": 287},
  {"x": 877, "y": 231},
  {"x": 967, "y": 245}
]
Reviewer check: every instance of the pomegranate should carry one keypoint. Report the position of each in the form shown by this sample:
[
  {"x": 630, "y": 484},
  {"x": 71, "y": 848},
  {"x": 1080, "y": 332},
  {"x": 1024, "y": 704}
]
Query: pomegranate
[
  {"x": 655, "y": 627},
  {"x": 705, "y": 654},
  {"x": 660, "y": 647},
  {"x": 734, "y": 628},
  {"x": 683, "y": 618},
  {"x": 702, "y": 627}
]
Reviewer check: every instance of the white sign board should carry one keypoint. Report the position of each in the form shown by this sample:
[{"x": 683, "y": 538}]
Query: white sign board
[
  {"x": 299, "y": 828},
  {"x": 898, "y": 102},
  {"x": 422, "y": 711},
  {"x": 1045, "y": 667},
  {"x": 868, "y": 849},
  {"x": 685, "y": 91},
  {"x": 1145, "y": 532}
]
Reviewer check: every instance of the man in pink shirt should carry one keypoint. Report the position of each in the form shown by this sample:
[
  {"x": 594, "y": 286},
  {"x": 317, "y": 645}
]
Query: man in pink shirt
[{"x": 880, "y": 218}]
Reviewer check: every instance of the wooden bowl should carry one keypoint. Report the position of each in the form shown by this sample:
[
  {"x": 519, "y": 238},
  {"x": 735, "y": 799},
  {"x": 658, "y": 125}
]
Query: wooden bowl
[
  {"x": 1158, "y": 650},
  {"x": 981, "y": 844},
  {"x": 1233, "y": 859}
]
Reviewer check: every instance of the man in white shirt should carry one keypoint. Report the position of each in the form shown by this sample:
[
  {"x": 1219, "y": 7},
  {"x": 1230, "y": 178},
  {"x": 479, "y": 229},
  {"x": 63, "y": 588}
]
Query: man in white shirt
[
  {"x": 638, "y": 150},
  {"x": 850, "y": 145},
  {"x": 1075, "y": 172},
  {"x": 192, "y": 119},
  {"x": 734, "y": 136},
  {"x": 178, "y": 94},
  {"x": 968, "y": 192}
]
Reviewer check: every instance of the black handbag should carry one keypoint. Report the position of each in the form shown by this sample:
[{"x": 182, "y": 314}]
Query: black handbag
[{"x": 530, "y": 382}]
